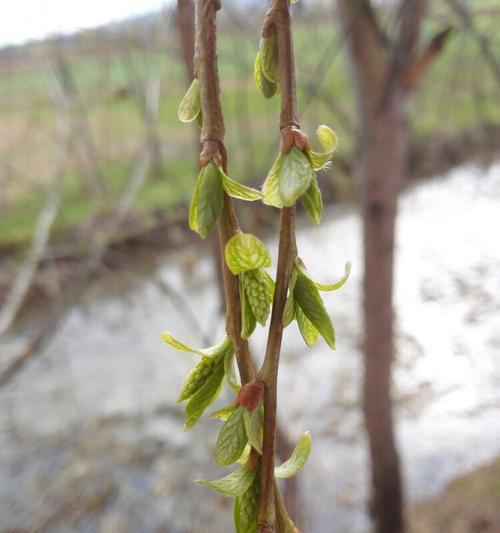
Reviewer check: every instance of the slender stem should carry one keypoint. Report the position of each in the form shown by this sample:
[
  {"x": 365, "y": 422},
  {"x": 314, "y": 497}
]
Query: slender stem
[
  {"x": 278, "y": 19},
  {"x": 212, "y": 139}
]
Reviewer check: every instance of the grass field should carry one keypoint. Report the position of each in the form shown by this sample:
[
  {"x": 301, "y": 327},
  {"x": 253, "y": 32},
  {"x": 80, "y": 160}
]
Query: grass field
[{"x": 459, "y": 92}]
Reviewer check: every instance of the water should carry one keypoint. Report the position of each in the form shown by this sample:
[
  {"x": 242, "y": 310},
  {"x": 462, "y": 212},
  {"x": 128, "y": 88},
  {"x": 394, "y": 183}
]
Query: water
[{"x": 91, "y": 438}]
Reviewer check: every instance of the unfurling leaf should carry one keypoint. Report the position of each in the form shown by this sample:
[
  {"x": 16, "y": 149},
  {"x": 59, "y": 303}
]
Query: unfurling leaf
[
  {"x": 246, "y": 508},
  {"x": 199, "y": 376},
  {"x": 307, "y": 296},
  {"x": 257, "y": 294},
  {"x": 270, "y": 189},
  {"x": 224, "y": 412},
  {"x": 297, "y": 460},
  {"x": 269, "y": 57},
  {"x": 248, "y": 320},
  {"x": 234, "y": 484},
  {"x": 269, "y": 283},
  {"x": 289, "y": 311},
  {"x": 313, "y": 202},
  {"x": 245, "y": 252},
  {"x": 190, "y": 106},
  {"x": 338, "y": 284},
  {"x": 204, "y": 397},
  {"x": 229, "y": 371},
  {"x": 210, "y": 199},
  {"x": 237, "y": 190},
  {"x": 328, "y": 140},
  {"x": 266, "y": 87},
  {"x": 254, "y": 427},
  {"x": 232, "y": 439},
  {"x": 223, "y": 346},
  {"x": 309, "y": 333},
  {"x": 295, "y": 176}
]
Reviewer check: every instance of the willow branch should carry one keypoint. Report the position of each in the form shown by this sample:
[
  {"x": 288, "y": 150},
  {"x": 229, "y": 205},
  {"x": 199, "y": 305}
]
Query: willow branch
[
  {"x": 212, "y": 148},
  {"x": 278, "y": 19}
]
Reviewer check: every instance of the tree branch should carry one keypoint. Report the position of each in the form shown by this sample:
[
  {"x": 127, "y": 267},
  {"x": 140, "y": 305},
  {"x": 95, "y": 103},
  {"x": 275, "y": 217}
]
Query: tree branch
[{"x": 278, "y": 19}]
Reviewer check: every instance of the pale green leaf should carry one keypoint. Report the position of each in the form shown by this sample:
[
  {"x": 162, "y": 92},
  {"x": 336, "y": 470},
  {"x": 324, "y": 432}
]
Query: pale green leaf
[
  {"x": 307, "y": 296},
  {"x": 204, "y": 397},
  {"x": 338, "y": 284},
  {"x": 309, "y": 333},
  {"x": 269, "y": 283},
  {"x": 295, "y": 176},
  {"x": 190, "y": 105},
  {"x": 243, "y": 460},
  {"x": 297, "y": 460},
  {"x": 248, "y": 320},
  {"x": 193, "y": 208},
  {"x": 229, "y": 371},
  {"x": 234, "y": 484},
  {"x": 328, "y": 141},
  {"x": 199, "y": 119},
  {"x": 265, "y": 86},
  {"x": 246, "y": 508},
  {"x": 210, "y": 199},
  {"x": 269, "y": 57},
  {"x": 254, "y": 427},
  {"x": 270, "y": 189},
  {"x": 257, "y": 294},
  {"x": 313, "y": 201},
  {"x": 224, "y": 412},
  {"x": 232, "y": 439},
  {"x": 289, "y": 311},
  {"x": 246, "y": 252},
  {"x": 237, "y": 190},
  {"x": 199, "y": 375},
  {"x": 226, "y": 344}
]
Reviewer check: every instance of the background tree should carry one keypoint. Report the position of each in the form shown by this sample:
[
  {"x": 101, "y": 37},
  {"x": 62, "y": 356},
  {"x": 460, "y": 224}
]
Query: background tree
[{"x": 385, "y": 70}]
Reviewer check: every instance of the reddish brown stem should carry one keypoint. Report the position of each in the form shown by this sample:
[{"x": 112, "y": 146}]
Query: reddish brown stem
[{"x": 271, "y": 515}]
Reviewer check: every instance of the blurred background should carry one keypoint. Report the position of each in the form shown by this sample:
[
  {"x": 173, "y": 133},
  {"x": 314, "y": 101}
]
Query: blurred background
[{"x": 96, "y": 259}]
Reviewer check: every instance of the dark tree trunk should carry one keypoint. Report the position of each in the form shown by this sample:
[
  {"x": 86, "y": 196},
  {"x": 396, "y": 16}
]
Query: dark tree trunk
[{"x": 383, "y": 166}]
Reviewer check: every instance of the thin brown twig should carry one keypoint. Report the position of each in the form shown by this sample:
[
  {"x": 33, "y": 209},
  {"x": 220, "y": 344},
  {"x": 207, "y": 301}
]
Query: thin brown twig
[{"x": 272, "y": 515}]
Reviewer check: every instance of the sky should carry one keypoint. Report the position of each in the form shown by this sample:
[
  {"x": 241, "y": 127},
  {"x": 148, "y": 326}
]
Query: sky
[{"x": 23, "y": 20}]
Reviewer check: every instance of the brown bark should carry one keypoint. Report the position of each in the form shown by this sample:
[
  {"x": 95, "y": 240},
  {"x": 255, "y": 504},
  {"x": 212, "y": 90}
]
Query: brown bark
[{"x": 185, "y": 25}]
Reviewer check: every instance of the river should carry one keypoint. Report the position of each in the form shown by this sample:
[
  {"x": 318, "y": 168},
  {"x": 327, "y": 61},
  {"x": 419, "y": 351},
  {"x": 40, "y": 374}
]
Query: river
[{"x": 91, "y": 438}]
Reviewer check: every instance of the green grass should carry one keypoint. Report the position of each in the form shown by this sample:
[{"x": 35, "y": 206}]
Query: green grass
[{"x": 458, "y": 92}]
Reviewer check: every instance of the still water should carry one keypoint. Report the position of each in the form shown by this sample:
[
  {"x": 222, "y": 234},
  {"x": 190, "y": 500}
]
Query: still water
[{"x": 91, "y": 438}]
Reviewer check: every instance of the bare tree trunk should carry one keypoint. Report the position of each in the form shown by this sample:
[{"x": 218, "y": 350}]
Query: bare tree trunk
[
  {"x": 383, "y": 142},
  {"x": 383, "y": 166}
]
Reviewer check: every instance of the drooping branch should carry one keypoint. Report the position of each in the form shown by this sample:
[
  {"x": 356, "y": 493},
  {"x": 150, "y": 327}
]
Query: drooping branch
[
  {"x": 212, "y": 139},
  {"x": 278, "y": 20}
]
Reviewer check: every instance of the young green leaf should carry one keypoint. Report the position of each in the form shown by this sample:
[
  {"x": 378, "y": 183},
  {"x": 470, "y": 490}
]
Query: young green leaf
[
  {"x": 248, "y": 320},
  {"x": 224, "y": 412},
  {"x": 234, "y": 484},
  {"x": 229, "y": 371},
  {"x": 328, "y": 140},
  {"x": 257, "y": 294},
  {"x": 269, "y": 281},
  {"x": 254, "y": 427},
  {"x": 269, "y": 57},
  {"x": 204, "y": 397},
  {"x": 223, "y": 346},
  {"x": 265, "y": 86},
  {"x": 245, "y": 252},
  {"x": 193, "y": 208},
  {"x": 270, "y": 189},
  {"x": 246, "y": 508},
  {"x": 338, "y": 284},
  {"x": 289, "y": 311},
  {"x": 295, "y": 176},
  {"x": 232, "y": 439},
  {"x": 199, "y": 376},
  {"x": 237, "y": 190},
  {"x": 199, "y": 119},
  {"x": 210, "y": 199},
  {"x": 313, "y": 201},
  {"x": 309, "y": 333},
  {"x": 297, "y": 460},
  {"x": 307, "y": 296},
  {"x": 190, "y": 105}
]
